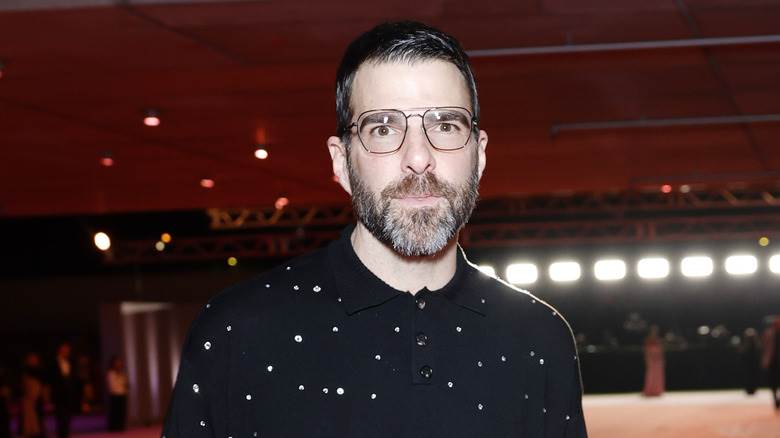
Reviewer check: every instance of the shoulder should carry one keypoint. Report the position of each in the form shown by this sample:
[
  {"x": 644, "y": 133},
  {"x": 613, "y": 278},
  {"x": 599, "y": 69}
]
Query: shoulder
[
  {"x": 531, "y": 319},
  {"x": 261, "y": 295}
]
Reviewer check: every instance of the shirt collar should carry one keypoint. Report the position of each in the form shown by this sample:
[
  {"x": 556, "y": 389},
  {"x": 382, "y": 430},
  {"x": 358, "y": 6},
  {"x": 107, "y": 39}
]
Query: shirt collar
[{"x": 360, "y": 289}]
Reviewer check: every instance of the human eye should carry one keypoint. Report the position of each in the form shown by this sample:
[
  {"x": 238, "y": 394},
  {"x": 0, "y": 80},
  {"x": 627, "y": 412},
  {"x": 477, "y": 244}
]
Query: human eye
[
  {"x": 382, "y": 125},
  {"x": 446, "y": 122}
]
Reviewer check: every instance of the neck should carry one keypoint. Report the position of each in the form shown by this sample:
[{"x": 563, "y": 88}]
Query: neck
[{"x": 400, "y": 272}]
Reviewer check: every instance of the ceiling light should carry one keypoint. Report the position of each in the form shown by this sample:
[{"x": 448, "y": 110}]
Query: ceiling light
[
  {"x": 207, "y": 183},
  {"x": 763, "y": 241},
  {"x": 107, "y": 160},
  {"x": 565, "y": 271},
  {"x": 281, "y": 203},
  {"x": 232, "y": 261},
  {"x": 610, "y": 270},
  {"x": 666, "y": 188},
  {"x": 522, "y": 273},
  {"x": 159, "y": 246},
  {"x": 102, "y": 241},
  {"x": 165, "y": 237},
  {"x": 652, "y": 268},
  {"x": 151, "y": 117},
  {"x": 261, "y": 153},
  {"x": 696, "y": 266}
]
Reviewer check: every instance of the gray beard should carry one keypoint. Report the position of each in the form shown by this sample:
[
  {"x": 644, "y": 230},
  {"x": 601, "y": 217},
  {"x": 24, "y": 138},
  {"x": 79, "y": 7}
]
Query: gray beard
[{"x": 416, "y": 231}]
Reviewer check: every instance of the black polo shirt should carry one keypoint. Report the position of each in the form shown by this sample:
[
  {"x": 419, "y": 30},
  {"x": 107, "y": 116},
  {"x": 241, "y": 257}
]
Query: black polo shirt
[{"x": 321, "y": 347}]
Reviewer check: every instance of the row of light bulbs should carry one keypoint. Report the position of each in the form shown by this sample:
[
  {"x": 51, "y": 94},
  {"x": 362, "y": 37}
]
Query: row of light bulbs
[{"x": 650, "y": 268}]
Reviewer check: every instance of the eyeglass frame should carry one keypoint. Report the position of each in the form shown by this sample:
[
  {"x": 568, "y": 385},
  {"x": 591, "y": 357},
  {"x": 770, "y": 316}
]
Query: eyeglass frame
[{"x": 474, "y": 124}]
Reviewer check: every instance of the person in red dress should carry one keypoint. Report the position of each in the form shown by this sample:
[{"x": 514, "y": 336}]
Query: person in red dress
[{"x": 655, "y": 382}]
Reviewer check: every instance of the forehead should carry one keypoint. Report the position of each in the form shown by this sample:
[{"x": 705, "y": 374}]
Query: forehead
[{"x": 408, "y": 85}]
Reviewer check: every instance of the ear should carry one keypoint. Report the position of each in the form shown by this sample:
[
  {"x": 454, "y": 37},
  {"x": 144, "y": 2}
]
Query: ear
[
  {"x": 482, "y": 142},
  {"x": 338, "y": 156}
]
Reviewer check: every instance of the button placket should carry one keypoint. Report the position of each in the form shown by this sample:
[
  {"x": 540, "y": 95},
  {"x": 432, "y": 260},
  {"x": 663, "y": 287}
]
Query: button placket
[{"x": 423, "y": 366}]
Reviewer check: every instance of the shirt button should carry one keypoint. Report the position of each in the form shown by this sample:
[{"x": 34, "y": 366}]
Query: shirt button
[
  {"x": 422, "y": 339},
  {"x": 420, "y": 303},
  {"x": 426, "y": 371}
]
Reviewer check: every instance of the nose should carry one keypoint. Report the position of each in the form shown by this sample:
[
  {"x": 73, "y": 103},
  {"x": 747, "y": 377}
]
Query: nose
[{"x": 417, "y": 152}]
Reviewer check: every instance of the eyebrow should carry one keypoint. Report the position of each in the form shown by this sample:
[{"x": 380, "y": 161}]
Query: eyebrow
[{"x": 381, "y": 117}]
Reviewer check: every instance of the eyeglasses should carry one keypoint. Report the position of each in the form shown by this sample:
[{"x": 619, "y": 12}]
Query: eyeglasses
[{"x": 383, "y": 131}]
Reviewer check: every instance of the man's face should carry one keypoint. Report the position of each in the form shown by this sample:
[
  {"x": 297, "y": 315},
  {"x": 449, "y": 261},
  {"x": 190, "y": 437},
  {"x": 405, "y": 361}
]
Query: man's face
[{"x": 418, "y": 198}]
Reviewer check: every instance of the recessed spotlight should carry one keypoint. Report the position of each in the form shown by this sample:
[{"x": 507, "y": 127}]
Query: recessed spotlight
[
  {"x": 685, "y": 188},
  {"x": 165, "y": 238},
  {"x": 151, "y": 117},
  {"x": 232, "y": 261},
  {"x": 281, "y": 203},
  {"x": 764, "y": 241},
  {"x": 107, "y": 160},
  {"x": 261, "y": 153},
  {"x": 666, "y": 188},
  {"x": 159, "y": 246},
  {"x": 102, "y": 241},
  {"x": 207, "y": 183}
]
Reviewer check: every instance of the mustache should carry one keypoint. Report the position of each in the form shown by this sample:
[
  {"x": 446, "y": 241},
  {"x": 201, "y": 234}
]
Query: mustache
[{"x": 419, "y": 185}]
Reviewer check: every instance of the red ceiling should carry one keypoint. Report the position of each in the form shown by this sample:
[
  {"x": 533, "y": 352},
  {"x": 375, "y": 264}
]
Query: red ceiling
[{"x": 227, "y": 74}]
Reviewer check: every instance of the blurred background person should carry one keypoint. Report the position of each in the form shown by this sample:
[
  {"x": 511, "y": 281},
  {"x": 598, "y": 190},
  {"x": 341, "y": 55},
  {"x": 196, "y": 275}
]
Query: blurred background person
[
  {"x": 750, "y": 350},
  {"x": 32, "y": 401},
  {"x": 654, "y": 364},
  {"x": 116, "y": 382},
  {"x": 63, "y": 389},
  {"x": 770, "y": 360}
]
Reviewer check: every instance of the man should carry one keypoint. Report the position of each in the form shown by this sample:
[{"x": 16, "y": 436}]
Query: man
[
  {"x": 64, "y": 389},
  {"x": 389, "y": 331}
]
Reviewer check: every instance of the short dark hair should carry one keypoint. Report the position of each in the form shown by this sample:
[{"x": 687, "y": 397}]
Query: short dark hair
[{"x": 402, "y": 41}]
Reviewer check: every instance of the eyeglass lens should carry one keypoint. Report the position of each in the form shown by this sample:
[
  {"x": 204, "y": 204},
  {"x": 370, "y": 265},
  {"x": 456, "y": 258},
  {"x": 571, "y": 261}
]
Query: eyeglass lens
[{"x": 383, "y": 131}]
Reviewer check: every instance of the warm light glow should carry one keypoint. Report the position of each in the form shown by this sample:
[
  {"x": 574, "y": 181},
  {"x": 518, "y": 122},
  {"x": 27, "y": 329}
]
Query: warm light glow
[
  {"x": 652, "y": 268},
  {"x": 159, "y": 246},
  {"x": 610, "y": 269},
  {"x": 666, "y": 188},
  {"x": 741, "y": 264},
  {"x": 152, "y": 121},
  {"x": 522, "y": 273},
  {"x": 774, "y": 264},
  {"x": 261, "y": 153},
  {"x": 696, "y": 266},
  {"x": 165, "y": 237},
  {"x": 281, "y": 203},
  {"x": 102, "y": 241},
  {"x": 106, "y": 161},
  {"x": 685, "y": 188},
  {"x": 764, "y": 241},
  {"x": 565, "y": 271},
  {"x": 487, "y": 269},
  {"x": 207, "y": 183},
  {"x": 232, "y": 261}
]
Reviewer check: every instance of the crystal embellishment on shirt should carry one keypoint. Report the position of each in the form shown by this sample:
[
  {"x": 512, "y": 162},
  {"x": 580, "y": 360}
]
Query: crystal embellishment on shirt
[
  {"x": 298, "y": 338},
  {"x": 207, "y": 345}
]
